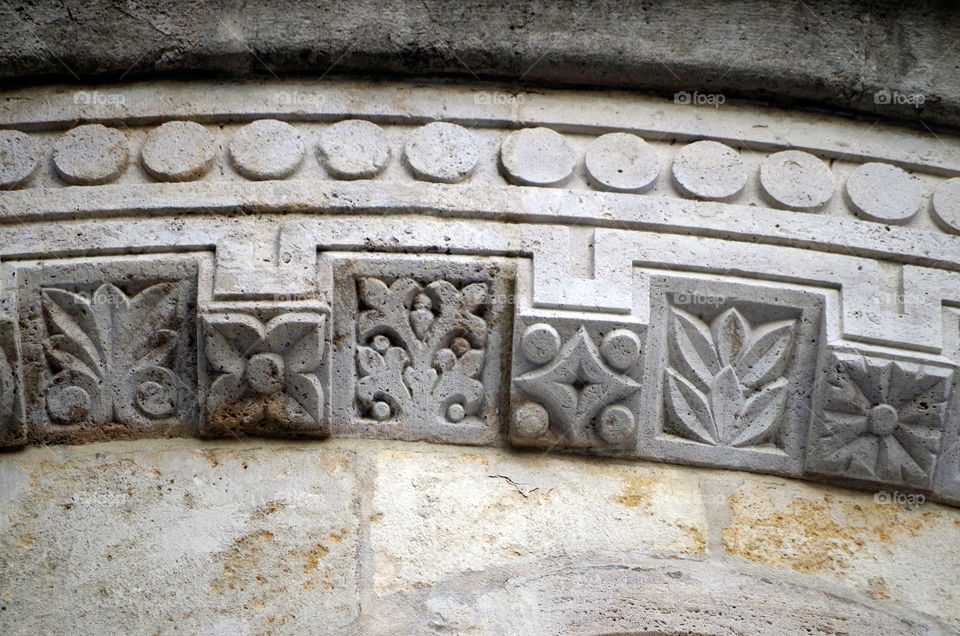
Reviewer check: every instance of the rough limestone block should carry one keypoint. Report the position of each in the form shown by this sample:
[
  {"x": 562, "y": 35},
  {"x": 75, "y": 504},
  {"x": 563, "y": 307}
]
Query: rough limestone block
[
  {"x": 137, "y": 540},
  {"x": 109, "y": 348},
  {"x": 576, "y": 382},
  {"x": 730, "y": 369},
  {"x": 417, "y": 347},
  {"x": 880, "y": 419},
  {"x": 439, "y": 514},
  {"x": 12, "y": 431},
  {"x": 265, "y": 376}
]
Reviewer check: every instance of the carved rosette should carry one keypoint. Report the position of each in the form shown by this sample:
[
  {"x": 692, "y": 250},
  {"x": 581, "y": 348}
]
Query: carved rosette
[
  {"x": 112, "y": 355},
  {"x": 266, "y": 374},
  {"x": 421, "y": 350},
  {"x": 726, "y": 382},
  {"x": 577, "y": 393},
  {"x": 879, "y": 420}
]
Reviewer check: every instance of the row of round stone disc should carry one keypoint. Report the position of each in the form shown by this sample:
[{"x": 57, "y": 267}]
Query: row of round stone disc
[{"x": 447, "y": 153}]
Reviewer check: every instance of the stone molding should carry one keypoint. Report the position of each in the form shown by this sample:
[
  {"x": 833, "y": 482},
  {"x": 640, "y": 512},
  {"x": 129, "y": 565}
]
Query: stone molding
[{"x": 695, "y": 287}]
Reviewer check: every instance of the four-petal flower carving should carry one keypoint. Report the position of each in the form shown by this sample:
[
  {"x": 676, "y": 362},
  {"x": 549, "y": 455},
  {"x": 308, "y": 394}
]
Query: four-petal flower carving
[{"x": 268, "y": 381}]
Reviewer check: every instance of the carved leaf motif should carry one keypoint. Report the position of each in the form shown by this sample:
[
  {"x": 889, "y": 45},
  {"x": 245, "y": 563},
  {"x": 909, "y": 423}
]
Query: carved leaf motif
[
  {"x": 726, "y": 403},
  {"x": 768, "y": 353},
  {"x": 369, "y": 361},
  {"x": 689, "y": 408},
  {"x": 760, "y": 414},
  {"x": 696, "y": 357},
  {"x": 73, "y": 317},
  {"x": 731, "y": 333}
]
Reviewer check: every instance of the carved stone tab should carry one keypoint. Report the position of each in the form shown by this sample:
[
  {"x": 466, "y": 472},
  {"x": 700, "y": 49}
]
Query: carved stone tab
[
  {"x": 879, "y": 419},
  {"x": 265, "y": 376}
]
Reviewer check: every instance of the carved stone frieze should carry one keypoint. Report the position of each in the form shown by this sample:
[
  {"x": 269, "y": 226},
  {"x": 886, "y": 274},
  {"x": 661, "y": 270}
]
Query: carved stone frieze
[
  {"x": 265, "y": 375},
  {"x": 418, "y": 348},
  {"x": 880, "y": 419}
]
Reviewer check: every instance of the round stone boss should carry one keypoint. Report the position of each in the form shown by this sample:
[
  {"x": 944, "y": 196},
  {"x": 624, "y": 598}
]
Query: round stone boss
[
  {"x": 441, "y": 152},
  {"x": 266, "y": 149},
  {"x": 537, "y": 157},
  {"x": 91, "y": 155},
  {"x": 621, "y": 162},
  {"x": 178, "y": 151},
  {"x": 19, "y": 159},
  {"x": 884, "y": 193},
  {"x": 709, "y": 170},
  {"x": 796, "y": 180},
  {"x": 540, "y": 343},
  {"x": 946, "y": 204},
  {"x": 354, "y": 149}
]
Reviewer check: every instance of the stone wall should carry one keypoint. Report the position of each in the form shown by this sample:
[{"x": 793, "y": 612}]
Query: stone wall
[{"x": 574, "y": 284}]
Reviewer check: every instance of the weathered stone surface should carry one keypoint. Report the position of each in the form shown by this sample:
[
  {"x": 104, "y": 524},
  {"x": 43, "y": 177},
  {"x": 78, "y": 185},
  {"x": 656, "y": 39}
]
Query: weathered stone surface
[
  {"x": 946, "y": 205},
  {"x": 709, "y": 170},
  {"x": 19, "y": 158},
  {"x": 267, "y": 149},
  {"x": 796, "y": 180},
  {"x": 178, "y": 151},
  {"x": 884, "y": 193},
  {"x": 354, "y": 149},
  {"x": 437, "y": 514},
  {"x": 91, "y": 155},
  {"x": 622, "y": 163},
  {"x": 442, "y": 152},
  {"x": 887, "y": 551},
  {"x": 537, "y": 157},
  {"x": 190, "y": 540}
]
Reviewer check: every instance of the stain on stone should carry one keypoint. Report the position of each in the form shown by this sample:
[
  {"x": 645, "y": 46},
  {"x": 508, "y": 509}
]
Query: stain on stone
[
  {"x": 313, "y": 557},
  {"x": 638, "y": 490}
]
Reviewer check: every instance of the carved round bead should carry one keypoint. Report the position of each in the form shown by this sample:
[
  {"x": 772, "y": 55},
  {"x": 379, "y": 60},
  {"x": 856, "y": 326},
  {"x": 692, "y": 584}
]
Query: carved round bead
[
  {"x": 796, "y": 180},
  {"x": 354, "y": 149},
  {"x": 882, "y": 419},
  {"x": 18, "y": 159},
  {"x": 178, "y": 151},
  {"x": 537, "y": 157},
  {"x": 442, "y": 152},
  {"x": 68, "y": 404},
  {"x": 530, "y": 420},
  {"x": 266, "y": 149},
  {"x": 154, "y": 399},
  {"x": 884, "y": 193},
  {"x": 621, "y": 162},
  {"x": 380, "y": 411},
  {"x": 265, "y": 373},
  {"x": 709, "y": 170},
  {"x": 91, "y": 155},
  {"x": 455, "y": 413},
  {"x": 540, "y": 343},
  {"x": 616, "y": 424},
  {"x": 946, "y": 204},
  {"x": 621, "y": 349}
]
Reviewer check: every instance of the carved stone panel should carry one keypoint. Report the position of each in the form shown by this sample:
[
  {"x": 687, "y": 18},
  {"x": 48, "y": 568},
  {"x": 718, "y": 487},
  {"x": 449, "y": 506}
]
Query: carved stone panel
[
  {"x": 108, "y": 348},
  {"x": 732, "y": 366},
  {"x": 576, "y": 384},
  {"x": 417, "y": 348},
  {"x": 264, "y": 376},
  {"x": 880, "y": 419},
  {"x": 12, "y": 431}
]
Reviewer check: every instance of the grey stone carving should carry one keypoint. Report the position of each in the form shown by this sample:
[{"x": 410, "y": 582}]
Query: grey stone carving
[
  {"x": 725, "y": 383},
  {"x": 265, "y": 375},
  {"x": 423, "y": 349},
  {"x": 879, "y": 419},
  {"x": 11, "y": 405},
  {"x": 109, "y": 354},
  {"x": 575, "y": 384}
]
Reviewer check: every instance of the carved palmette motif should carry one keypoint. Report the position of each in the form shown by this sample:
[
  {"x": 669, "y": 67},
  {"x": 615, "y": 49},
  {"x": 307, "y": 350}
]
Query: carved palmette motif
[
  {"x": 726, "y": 383},
  {"x": 111, "y": 355},
  {"x": 421, "y": 349}
]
